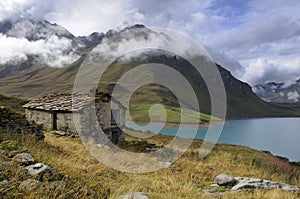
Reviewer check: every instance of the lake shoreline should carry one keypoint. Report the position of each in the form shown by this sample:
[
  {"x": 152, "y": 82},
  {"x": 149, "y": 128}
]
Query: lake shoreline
[
  {"x": 264, "y": 134},
  {"x": 184, "y": 125}
]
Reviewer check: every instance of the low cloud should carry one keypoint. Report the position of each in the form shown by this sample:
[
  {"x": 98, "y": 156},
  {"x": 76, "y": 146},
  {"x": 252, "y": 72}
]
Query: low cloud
[
  {"x": 54, "y": 52},
  {"x": 293, "y": 96},
  {"x": 265, "y": 70}
]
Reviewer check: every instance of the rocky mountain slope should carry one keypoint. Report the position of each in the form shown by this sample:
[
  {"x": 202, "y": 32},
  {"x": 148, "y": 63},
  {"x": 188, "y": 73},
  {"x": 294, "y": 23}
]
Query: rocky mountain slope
[
  {"x": 279, "y": 92},
  {"x": 30, "y": 76}
]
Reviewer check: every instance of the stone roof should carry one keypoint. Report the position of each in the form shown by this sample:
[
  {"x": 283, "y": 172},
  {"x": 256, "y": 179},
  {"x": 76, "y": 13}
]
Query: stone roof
[{"x": 61, "y": 102}]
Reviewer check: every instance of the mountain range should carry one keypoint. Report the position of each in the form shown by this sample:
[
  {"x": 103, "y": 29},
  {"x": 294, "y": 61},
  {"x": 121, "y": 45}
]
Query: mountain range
[
  {"x": 279, "y": 92},
  {"x": 30, "y": 71}
]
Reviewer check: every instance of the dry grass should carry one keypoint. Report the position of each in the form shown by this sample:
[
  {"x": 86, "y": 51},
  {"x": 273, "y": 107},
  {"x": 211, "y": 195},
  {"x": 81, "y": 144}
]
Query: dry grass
[{"x": 187, "y": 179}]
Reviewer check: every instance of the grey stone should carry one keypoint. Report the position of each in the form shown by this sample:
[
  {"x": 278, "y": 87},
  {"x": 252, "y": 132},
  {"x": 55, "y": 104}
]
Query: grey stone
[
  {"x": 6, "y": 163},
  {"x": 58, "y": 133},
  {"x": 255, "y": 183},
  {"x": 2, "y": 152},
  {"x": 166, "y": 164},
  {"x": 225, "y": 180},
  {"x": 38, "y": 169},
  {"x": 135, "y": 195},
  {"x": 287, "y": 187},
  {"x": 3, "y": 183},
  {"x": 23, "y": 158},
  {"x": 29, "y": 184}
]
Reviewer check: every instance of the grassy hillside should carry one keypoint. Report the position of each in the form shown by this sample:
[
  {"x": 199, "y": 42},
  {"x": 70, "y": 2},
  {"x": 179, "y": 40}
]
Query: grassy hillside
[
  {"x": 140, "y": 114},
  {"x": 85, "y": 177},
  {"x": 14, "y": 103},
  {"x": 188, "y": 178},
  {"x": 36, "y": 81}
]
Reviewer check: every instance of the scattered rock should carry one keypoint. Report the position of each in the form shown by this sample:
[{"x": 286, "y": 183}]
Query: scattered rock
[
  {"x": 30, "y": 184},
  {"x": 254, "y": 183},
  {"x": 3, "y": 183},
  {"x": 38, "y": 169},
  {"x": 166, "y": 164},
  {"x": 135, "y": 195},
  {"x": 6, "y": 163},
  {"x": 58, "y": 133},
  {"x": 243, "y": 183},
  {"x": 2, "y": 152},
  {"x": 225, "y": 180},
  {"x": 23, "y": 158}
]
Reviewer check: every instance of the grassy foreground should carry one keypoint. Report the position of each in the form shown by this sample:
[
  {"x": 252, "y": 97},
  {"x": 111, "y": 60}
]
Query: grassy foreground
[{"x": 88, "y": 178}]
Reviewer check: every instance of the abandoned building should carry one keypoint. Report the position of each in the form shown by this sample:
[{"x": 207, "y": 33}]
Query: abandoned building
[{"x": 59, "y": 111}]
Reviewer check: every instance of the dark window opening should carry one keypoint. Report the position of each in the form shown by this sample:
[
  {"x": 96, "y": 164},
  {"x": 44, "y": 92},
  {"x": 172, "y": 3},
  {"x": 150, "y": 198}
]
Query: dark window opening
[{"x": 115, "y": 117}]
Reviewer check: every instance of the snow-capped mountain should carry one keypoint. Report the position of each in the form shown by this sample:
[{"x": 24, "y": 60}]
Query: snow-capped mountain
[
  {"x": 279, "y": 92},
  {"x": 32, "y": 29},
  {"x": 27, "y": 42}
]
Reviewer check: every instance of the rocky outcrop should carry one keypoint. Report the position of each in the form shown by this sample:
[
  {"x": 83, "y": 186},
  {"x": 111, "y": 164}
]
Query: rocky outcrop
[
  {"x": 254, "y": 183},
  {"x": 244, "y": 183}
]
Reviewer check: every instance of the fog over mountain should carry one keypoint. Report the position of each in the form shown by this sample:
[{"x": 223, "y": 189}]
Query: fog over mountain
[{"x": 260, "y": 36}]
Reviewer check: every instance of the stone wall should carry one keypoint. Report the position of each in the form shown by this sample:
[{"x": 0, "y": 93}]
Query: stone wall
[
  {"x": 90, "y": 125},
  {"x": 41, "y": 117},
  {"x": 17, "y": 123},
  {"x": 65, "y": 122}
]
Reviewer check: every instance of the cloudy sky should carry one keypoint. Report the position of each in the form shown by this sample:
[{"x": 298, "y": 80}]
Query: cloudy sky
[{"x": 263, "y": 36}]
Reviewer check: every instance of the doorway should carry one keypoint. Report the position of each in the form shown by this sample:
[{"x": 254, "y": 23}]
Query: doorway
[
  {"x": 54, "y": 121},
  {"x": 114, "y": 137}
]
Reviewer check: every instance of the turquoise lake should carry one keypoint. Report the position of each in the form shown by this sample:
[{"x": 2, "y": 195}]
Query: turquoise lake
[{"x": 280, "y": 136}]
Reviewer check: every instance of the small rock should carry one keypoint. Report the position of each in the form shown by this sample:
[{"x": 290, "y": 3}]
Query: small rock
[
  {"x": 2, "y": 152},
  {"x": 6, "y": 163},
  {"x": 3, "y": 183},
  {"x": 166, "y": 164},
  {"x": 135, "y": 195},
  {"x": 23, "y": 158},
  {"x": 214, "y": 185},
  {"x": 58, "y": 133},
  {"x": 29, "y": 184},
  {"x": 38, "y": 169},
  {"x": 225, "y": 180}
]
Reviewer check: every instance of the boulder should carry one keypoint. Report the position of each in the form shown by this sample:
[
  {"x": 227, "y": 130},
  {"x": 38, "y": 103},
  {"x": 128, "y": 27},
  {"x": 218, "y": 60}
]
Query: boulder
[
  {"x": 225, "y": 180},
  {"x": 135, "y": 195},
  {"x": 23, "y": 158},
  {"x": 38, "y": 169}
]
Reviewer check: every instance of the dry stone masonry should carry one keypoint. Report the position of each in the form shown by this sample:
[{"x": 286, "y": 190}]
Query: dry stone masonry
[{"x": 60, "y": 111}]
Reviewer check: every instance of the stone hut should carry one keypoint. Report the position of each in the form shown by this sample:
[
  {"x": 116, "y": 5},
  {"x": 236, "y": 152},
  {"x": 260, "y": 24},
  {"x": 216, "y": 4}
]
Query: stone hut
[{"x": 60, "y": 111}]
